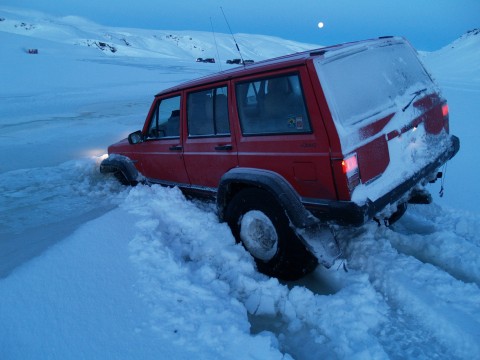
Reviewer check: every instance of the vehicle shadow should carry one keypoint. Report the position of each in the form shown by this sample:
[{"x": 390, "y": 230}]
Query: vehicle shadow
[{"x": 18, "y": 248}]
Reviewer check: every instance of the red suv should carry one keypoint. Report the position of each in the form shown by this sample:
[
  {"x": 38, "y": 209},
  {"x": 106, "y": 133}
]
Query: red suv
[{"x": 288, "y": 146}]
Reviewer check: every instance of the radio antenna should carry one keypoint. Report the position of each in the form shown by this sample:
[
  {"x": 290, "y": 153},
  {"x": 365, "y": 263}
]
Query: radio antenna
[
  {"x": 216, "y": 46},
  {"x": 233, "y": 37}
]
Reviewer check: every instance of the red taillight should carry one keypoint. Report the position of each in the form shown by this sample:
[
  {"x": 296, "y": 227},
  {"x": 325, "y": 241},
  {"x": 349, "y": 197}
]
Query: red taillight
[
  {"x": 444, "y": 110},
  {"x": 350, "y": 169},
  {"x": 350, "y": 164}
]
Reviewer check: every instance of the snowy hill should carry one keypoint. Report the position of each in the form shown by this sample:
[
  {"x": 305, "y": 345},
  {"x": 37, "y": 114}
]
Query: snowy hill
[
  {"x": 127, "y": 42},
  {"x": 459, "y": 59},
  {"x": 457, "y": 68},
  {"x": 93, "y": 270}
]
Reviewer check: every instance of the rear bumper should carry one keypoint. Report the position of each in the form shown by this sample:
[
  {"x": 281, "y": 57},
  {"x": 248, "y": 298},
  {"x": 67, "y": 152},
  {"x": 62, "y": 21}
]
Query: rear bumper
[{"x": 350, "y": 213}]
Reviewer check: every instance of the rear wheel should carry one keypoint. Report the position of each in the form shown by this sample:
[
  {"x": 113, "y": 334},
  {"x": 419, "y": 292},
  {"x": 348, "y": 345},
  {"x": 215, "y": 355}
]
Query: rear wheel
[{"x": 262, "y": 226}]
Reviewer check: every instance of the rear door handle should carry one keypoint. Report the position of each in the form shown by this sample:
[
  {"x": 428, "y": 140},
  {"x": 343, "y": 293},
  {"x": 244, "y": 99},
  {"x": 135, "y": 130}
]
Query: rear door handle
[
  {"x": 224, "y": 147},
  {"x": 176, "y": 148}
]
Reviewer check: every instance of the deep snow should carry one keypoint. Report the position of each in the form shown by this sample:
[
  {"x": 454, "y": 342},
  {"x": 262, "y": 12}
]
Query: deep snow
[{"x": 90, "y": 269}]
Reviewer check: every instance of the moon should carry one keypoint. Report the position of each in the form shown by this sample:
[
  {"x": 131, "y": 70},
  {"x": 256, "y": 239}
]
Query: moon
[{"x": 321, "y": 25}]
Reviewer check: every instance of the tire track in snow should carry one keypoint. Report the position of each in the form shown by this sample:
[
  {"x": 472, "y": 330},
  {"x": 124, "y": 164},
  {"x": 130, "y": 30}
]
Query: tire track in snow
[
  {"x": 444, "y": 307},
  {"x": 445, "y": 238}
]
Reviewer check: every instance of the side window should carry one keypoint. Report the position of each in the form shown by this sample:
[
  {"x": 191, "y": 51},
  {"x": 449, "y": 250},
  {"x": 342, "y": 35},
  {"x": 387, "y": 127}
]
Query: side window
[
  {"x": 273, "y": 105},
  {"x": 207, "y": 113},
  {"x": 165, "y": 122}
]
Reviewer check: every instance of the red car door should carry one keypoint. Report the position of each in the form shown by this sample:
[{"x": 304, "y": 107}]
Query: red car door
[
  {"x": 210, "y": 149},
  {"x": 160, "y": 155}
]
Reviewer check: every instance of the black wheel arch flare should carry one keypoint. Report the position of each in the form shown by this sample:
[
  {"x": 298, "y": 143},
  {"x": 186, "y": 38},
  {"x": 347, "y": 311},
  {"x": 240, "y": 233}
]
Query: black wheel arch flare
[
  {"x": 239, "y": 178},
  {"x": 120, "y": 164}
]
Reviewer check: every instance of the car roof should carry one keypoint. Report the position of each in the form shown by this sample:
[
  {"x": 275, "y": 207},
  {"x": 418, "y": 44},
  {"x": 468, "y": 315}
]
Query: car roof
[{"x": 278, "y": 63}]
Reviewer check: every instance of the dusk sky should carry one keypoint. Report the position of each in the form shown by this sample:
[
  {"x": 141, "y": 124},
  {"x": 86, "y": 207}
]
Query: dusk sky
[{"x": 428, "y": 24}]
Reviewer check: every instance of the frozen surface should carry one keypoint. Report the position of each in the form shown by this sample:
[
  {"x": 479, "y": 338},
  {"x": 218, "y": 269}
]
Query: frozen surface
[{"x": 93, "y": 270}]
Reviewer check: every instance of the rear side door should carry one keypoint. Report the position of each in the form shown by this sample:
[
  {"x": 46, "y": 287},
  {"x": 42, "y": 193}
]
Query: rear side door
[
  {"x": 161, "y": 154},
  {"x": 281, "y": 130},
  {"x": 209, "y": 146}
]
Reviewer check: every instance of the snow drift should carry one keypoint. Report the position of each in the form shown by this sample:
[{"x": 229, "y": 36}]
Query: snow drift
[{"x": 90, "y": 269}]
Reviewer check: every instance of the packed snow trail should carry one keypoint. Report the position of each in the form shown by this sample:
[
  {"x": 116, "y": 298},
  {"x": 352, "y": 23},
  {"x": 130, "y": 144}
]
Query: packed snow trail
[{"x": 448, "y": 239}]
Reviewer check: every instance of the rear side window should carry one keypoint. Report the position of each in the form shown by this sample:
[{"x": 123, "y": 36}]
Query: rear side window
[
  {"x": 165, "y": 121},
  {"x": 207, "y": 113},
  {"x": 273, "y": 105}
]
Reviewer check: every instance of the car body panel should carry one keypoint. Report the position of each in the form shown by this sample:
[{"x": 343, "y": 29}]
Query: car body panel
[{"x": 346, "y": 150}]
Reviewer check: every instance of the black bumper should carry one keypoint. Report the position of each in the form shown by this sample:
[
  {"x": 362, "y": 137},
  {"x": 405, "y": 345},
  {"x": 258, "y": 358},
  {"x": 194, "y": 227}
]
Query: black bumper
[{"x": 350, "y": 213}]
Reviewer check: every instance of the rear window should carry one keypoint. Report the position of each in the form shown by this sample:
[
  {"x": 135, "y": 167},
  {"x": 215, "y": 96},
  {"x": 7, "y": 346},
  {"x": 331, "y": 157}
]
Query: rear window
[{"x": 370, "y": 80}]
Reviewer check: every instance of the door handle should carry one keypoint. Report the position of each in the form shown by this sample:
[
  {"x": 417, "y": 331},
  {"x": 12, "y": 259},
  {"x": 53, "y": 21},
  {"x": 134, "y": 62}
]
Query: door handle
[
  {"x": 175, "y": 148},
  {"x": 224, "y": 147}
]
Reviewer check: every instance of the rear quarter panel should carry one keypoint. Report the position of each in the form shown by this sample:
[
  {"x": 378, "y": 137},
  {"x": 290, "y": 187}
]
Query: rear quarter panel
[{"x": 302, "y": 159}]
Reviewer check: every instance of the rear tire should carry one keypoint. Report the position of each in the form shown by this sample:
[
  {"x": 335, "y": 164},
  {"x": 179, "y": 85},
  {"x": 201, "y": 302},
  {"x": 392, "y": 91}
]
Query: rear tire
[{"x": 262, "y": 226}]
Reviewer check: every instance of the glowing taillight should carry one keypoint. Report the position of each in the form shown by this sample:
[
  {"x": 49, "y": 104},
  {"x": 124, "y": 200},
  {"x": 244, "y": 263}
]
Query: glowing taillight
[
  {"x": 350, "y": 169},
  {"x": 350, "y": 164},
  {"x": 444, "y": 110}
]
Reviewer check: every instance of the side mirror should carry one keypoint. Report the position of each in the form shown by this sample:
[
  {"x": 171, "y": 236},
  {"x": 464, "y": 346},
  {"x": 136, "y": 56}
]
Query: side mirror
[{"x": 135, "y": 137}]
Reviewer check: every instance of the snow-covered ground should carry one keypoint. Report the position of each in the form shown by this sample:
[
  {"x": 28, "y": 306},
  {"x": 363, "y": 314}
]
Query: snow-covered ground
[{"x": 93, "y": 270}]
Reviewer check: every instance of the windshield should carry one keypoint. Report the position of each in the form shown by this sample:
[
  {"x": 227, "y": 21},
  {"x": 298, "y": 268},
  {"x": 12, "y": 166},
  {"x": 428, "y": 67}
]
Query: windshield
[{"x": 368, "y": 80}]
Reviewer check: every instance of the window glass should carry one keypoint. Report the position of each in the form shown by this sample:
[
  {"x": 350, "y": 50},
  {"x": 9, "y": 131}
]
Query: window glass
[
  {"x": 165, "y": 122},
  {"x": 207, "y": 113},
  {"x": 273, "y": 105},
  {"x": 370, "y": 81}
]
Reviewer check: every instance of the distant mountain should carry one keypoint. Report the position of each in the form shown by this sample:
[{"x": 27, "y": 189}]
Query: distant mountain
[
  {"x": 461, "y": 58},
  {"x": 72, "y": 30},
  {"x": 24, "y": 30}
]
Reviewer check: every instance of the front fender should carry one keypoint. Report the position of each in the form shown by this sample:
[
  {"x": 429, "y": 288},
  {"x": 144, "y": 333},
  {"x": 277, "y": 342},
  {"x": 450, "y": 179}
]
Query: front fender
[{"x": 122, "y": 167}]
